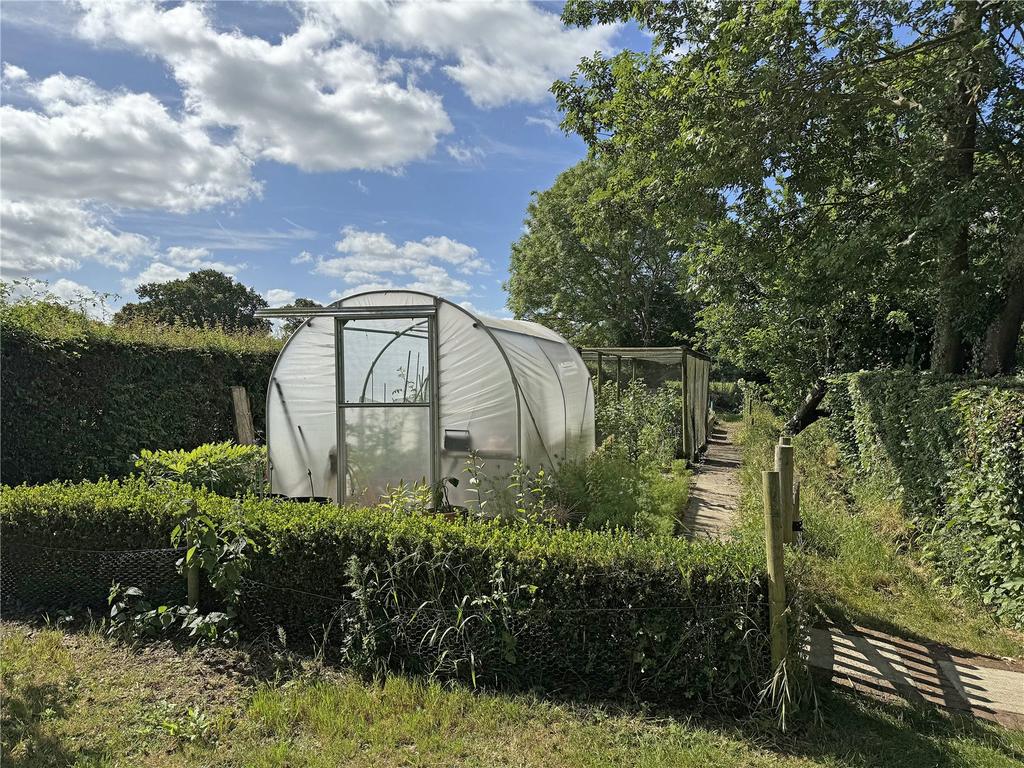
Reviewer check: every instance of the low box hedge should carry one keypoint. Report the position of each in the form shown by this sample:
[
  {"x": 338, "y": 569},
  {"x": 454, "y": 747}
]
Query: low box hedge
[{"x": 521, "y": 605}]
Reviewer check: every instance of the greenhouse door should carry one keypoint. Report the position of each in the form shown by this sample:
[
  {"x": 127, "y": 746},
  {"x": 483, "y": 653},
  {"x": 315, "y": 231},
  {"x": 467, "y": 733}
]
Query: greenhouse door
[{"x": 386, "y": 401}]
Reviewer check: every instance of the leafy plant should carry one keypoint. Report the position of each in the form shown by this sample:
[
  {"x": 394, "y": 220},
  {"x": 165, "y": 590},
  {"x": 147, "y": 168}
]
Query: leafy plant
[
  {"x": 224, "y": 468},
  {"x": 646, "y": 424},
  {"x": 220, "y": 553}
]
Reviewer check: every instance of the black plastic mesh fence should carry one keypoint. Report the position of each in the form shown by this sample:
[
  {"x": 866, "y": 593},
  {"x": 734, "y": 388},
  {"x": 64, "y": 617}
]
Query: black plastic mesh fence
[
  {"x": 34, "y": 577},
  {"x": 606, "y": 652}
]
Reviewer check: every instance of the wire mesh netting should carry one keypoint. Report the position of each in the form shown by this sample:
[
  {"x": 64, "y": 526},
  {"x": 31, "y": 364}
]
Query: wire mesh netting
[
  {"x": 35, "y": 577},
  {"x": 648, "y": 651}
]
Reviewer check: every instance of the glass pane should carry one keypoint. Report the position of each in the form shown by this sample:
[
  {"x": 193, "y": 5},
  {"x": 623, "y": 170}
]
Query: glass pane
[
  {"x": 386, "y": 361},
  {"x": 384, "y": 446}
]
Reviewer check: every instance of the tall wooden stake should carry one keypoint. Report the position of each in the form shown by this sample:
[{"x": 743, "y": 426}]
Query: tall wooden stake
[
  {"x": 784, "y": 466},
  {"x": 243, "y": 417},
  {"x": 192, "y": 582},
  {"x": 776, "y": 574}
]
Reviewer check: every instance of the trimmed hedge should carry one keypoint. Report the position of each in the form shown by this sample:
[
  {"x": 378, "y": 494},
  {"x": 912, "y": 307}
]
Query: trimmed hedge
[
  {"x": 519, "y": 605},
  {"x": 78, "y": 406},
  {"x": 952, "y": 451}
]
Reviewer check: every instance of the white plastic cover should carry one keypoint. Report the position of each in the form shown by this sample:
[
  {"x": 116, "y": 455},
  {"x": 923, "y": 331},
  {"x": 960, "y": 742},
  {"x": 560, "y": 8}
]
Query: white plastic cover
[{"x": 505, "y": 390}]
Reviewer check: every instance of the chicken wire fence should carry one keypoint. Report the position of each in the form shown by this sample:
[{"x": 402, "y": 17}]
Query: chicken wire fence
[{"x": 604, "y": 651}]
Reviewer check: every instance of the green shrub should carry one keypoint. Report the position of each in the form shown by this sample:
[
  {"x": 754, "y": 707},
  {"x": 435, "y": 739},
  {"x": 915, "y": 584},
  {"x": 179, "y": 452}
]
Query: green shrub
[
  {"x": 80, "y": 397},
  {"x": 517, "y": 605},
  {"x": 949, "y": 451},
  {"x": 224, "y": 468},
  {"x": 647, "y": 424},
  {"x": 609, "y": 490},
  {"x": 726, "y": 396}
]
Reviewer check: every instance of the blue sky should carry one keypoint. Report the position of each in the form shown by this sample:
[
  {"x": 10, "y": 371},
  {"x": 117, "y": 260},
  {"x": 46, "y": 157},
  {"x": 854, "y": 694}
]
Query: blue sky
[{"x": 310, "y": 150}]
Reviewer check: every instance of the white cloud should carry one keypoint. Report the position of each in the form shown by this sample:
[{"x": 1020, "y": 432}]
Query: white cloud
[
  {"x": 549, "y": 124},
  {"x": 465, "y": 154},
  {"x": 41, "y": 236},
  {"x": 279, "y": 297},
  {"x": 177, "y": 263},
  {"x": 13, "y": 74},
  {"x": 310, "y": 100},
  {"x": 303, "y": 258},
  {"x": 119, "y": 148},
  {"x": 372, "y": 260},
  {"x": 502, "y": 51}
]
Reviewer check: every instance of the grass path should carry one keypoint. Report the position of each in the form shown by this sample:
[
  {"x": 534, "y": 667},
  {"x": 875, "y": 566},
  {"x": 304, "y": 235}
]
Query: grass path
[{"x": 80, "y": 699}]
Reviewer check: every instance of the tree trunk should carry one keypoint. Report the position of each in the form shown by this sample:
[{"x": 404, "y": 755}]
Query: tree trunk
[
  {"x": 808, "y": 411},
  {"x": 1003, "y": 334},
  {"x": 948, "y": 354}
]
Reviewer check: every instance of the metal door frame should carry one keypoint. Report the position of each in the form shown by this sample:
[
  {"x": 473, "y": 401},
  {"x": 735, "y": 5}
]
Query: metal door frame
[{"x": 411, "y": 312}]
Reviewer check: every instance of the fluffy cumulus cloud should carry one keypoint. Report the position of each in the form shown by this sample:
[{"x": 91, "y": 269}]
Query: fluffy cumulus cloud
[
  {"x": 500, "y": 52},
  {"x": 372, "y": 260},
  {"x": 176, "y": 263},
  {"x": 78, "y": 154},
  {"x": 38, "y": 236},
  {"x": 310, "y": 100},
  {"x": 118, "y": 148},
  {"x": 279, "y": 297}
]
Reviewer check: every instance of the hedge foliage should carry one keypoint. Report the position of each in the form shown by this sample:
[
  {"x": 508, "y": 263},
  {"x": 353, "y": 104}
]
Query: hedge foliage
[
  {"x": 224, "y": 468},
  {"x": 952, "y": 451},
  {"x": 518, "y": 605},
  {"x": 80, "y": 397}
]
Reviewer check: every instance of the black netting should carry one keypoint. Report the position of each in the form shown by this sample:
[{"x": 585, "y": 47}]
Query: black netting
[
  {"x": 713, "y": 650},
  {"x": 33, "y": 577}
]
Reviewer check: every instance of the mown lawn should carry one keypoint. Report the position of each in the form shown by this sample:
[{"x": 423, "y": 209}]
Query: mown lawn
[
  {"x": 77, "y": 698},
  {"x": 855, "y": 565}
]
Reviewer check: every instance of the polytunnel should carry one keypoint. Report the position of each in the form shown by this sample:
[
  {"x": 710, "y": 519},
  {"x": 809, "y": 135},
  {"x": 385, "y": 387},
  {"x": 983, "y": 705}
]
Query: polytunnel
[{"x": 399, "y": 386}]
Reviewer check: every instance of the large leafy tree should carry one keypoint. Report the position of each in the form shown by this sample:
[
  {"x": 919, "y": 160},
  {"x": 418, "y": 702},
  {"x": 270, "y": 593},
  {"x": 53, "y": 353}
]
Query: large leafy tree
[
  {"x": 206, "y": 298},
  {"x": 597, "y": 266},
  {"x": 867, "y": 160},
  {"x": 292, "y": 324}
]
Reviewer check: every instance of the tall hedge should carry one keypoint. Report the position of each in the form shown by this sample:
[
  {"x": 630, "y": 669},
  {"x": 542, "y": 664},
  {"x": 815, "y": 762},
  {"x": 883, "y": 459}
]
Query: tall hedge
[
  {"x": 952, "y": 452},
  {"x": 519, "y": 606},
  {"x": 77, "y": 406}
]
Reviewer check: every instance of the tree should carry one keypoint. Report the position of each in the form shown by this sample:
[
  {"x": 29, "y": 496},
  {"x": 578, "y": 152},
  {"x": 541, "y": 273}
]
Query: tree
[
  {"x": 206, "y": 298},
  {"x": 597, "y": 267},
  {"x": 866, "y": 159},
  {"x": 292, "y": 324}
]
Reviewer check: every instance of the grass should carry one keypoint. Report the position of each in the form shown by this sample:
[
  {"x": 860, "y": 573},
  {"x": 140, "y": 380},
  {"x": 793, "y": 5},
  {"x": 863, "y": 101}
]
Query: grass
[
  {"x": 855, "y": 566},
  {"x": 77, "y": 698}
]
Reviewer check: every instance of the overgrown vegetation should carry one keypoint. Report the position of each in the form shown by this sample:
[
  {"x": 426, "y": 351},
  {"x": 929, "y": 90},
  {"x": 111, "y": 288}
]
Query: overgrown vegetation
[
  {"x": 80, "y": 397},
  {"x": 949, "y": 454},
  {"x": 77, "y": 698},
  {"x": 490, "y": 603},
  {"x": 225, "y": 468},
  {"x": 854, "y": 562},
  {"x": 633, "y": 481}
]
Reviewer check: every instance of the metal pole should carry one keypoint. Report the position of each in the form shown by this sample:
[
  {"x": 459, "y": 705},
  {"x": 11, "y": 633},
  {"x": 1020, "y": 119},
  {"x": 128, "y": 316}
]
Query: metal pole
[
  {"x": 776, "y": 574},
  {"x": 599, "y": 378}
]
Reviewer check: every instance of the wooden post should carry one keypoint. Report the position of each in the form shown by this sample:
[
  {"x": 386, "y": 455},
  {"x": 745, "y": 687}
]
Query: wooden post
[
  {"x": 243, "y": 417},
  {"x": 192, "y": 580},
  {"x": 618, "y": 376},
  {"x": 776, "y": 574},
  {"x": 784, "y": 466}
]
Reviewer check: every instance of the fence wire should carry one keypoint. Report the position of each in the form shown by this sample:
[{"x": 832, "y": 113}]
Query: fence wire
[{"x": 600, "y": 650}]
